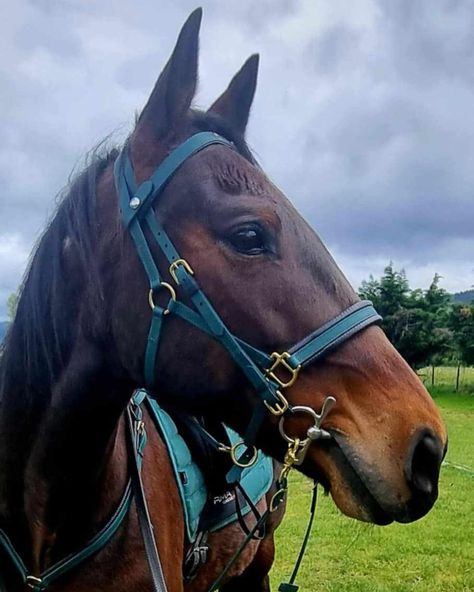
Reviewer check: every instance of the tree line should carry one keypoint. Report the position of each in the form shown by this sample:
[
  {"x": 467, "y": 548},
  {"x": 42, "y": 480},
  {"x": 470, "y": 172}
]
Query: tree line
[{"x": 426, "y": 326}]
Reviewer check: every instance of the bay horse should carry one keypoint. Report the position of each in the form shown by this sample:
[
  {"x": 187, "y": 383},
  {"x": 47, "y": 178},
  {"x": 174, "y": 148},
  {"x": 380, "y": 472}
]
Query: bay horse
[{"x": 78, "y": 349}]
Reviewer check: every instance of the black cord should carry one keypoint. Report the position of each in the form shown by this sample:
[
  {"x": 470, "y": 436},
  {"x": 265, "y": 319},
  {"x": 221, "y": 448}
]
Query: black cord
[{"x": 291, "y": 586}]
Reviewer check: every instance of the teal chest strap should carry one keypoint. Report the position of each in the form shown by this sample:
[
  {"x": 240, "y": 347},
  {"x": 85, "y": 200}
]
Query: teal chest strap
[{"x": 41, "y": 582}]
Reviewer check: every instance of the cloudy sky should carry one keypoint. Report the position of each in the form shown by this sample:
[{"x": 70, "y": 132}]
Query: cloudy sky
[{"x": 364, "y": 114}]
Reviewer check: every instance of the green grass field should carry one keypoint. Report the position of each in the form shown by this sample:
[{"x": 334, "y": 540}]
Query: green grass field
[{"x": 434, "y": 554}]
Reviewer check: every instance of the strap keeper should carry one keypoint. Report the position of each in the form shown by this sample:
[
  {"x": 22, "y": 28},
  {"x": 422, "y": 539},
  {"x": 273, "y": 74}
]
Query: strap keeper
[{"x": 189, "y": 285}]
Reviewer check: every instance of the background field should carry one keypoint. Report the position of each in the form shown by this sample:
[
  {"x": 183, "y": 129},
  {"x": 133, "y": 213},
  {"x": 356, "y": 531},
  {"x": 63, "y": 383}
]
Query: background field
[
  {"x": 445, "y": 379},
  {"x": 435, "y": 553}
]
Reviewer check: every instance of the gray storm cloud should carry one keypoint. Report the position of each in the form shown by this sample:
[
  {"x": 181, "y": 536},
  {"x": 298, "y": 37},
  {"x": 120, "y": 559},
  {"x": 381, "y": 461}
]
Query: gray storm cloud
[{"x": 363, "y": 114}]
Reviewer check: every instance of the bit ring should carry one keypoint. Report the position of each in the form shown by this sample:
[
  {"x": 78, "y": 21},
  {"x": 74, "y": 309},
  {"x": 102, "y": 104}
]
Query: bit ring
[{"x": 297, "y": 409}]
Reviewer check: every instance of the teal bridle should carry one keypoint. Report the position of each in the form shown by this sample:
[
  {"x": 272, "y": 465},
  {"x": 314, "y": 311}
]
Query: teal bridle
[{"x": 269, "y": 374}]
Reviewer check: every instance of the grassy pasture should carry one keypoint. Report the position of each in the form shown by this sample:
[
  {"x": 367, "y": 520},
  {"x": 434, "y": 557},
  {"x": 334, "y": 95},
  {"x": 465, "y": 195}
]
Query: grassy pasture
[{"x": 435, "y": 553}]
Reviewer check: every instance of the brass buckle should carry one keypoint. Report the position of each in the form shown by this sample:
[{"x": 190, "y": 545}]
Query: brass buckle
[
  {"x": 175, "y": 265},
  {"x": 278, "y": 408},
  {"x": 282, "y": 360},
  {"x": 170, "y": 289},
  {"x": 235, "y": 460}
]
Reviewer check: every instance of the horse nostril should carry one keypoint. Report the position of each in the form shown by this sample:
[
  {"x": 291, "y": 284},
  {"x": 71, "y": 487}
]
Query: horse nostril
[{"x": 422, "y": 468}]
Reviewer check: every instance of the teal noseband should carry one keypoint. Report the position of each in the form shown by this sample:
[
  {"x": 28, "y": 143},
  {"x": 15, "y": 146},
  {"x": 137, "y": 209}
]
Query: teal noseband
[{"x": 268, "y": 374}]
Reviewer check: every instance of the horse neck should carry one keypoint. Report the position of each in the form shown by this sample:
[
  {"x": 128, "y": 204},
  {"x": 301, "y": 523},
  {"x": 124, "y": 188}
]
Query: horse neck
[{"x": 57, "y": 453}]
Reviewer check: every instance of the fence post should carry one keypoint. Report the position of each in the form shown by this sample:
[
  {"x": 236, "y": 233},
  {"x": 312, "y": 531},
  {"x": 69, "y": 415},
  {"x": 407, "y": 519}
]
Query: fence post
[
  {"x": 432, "y": 375},
  {"x": 458, "y": 371}
]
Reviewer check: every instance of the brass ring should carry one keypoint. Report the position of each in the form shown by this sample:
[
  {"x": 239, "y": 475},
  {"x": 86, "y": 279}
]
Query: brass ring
[
  {"x": 170, "y": 289},
  {"x": 235, "y": 460}
]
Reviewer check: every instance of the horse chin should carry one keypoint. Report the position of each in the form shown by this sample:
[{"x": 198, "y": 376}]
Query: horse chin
[{"x": 344, "y": 480}]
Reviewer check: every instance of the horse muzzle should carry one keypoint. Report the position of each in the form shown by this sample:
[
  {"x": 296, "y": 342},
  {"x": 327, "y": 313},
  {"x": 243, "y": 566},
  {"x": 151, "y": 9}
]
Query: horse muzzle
[{"x": 381, "y": 500}]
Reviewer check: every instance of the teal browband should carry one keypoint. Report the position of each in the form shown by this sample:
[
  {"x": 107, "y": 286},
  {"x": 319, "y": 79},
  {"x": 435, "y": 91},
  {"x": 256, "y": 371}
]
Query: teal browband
[{"x": 268, "y": 374}]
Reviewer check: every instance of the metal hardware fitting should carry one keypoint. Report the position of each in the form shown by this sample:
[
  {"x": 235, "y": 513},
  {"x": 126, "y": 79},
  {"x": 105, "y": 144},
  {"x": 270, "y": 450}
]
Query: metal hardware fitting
[
  {"x": 170, "y": 289},
  {"x": 236, "y": 461},
  {"x": 277, "y": 498},
  {"x": 33, "y": 582},
  {"x": 135, "y": 202},
  {"x": 314, "y": 432},
  {"x": 277, "y": 408},
  {"x": 174, "y": 266},
  {"x": 291, "y": 458},
  {"x": 281, "y": 359}
]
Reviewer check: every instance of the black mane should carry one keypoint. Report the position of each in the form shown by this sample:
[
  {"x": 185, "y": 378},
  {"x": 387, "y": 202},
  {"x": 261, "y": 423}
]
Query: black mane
[
  {"x": 40, "y": 337},
  {"x": 39, "y": 340}
]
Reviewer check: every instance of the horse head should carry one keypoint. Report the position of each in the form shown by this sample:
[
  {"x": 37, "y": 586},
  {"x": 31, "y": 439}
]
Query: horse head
[{"x": 272, "y": 282}]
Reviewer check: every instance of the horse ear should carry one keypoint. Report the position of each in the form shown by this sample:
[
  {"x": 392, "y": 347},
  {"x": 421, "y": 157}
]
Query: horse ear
[
  {"x": 176, "y": 85},
  {"x": 234, "y": 104}
]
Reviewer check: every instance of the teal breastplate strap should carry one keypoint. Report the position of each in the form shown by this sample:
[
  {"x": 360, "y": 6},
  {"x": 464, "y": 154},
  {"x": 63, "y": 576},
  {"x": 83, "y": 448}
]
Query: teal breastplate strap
[
  {"x": 97, "y": 542},
  {"x": 264, "y": 371},
  {"x": 50, "y": 575}
]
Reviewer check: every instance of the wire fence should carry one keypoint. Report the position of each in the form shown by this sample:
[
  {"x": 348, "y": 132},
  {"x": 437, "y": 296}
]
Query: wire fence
[
  {"x": 459, "y": 467},
  {"x": 457, "y": 378}
]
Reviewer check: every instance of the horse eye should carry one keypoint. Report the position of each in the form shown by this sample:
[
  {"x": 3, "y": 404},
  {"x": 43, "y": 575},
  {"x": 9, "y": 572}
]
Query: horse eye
[{"x": 248, "y": 240}]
